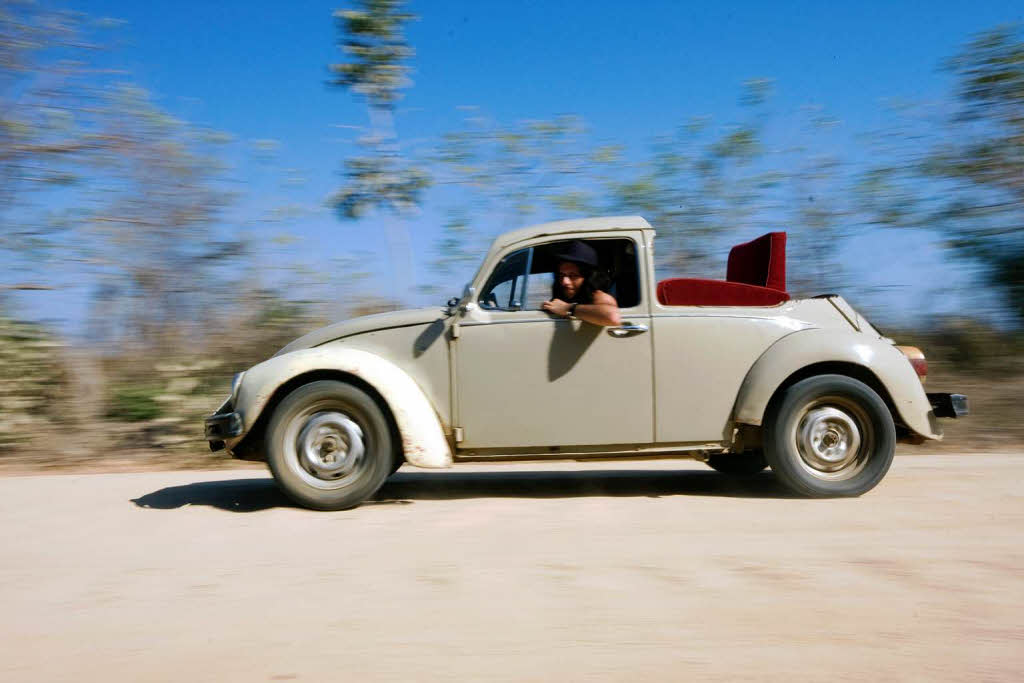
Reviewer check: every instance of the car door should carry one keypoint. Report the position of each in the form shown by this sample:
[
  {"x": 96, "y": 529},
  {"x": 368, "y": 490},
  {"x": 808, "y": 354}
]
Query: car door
[{"x": 527, "y": 379}]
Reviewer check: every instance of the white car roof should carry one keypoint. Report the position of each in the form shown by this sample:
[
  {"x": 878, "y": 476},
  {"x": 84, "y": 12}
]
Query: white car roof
[{"x": 601, "y": 224}]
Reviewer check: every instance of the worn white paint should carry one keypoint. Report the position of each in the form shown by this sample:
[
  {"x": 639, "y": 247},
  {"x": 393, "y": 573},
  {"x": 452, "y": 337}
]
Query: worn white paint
[{"x": 423, "y": 440}]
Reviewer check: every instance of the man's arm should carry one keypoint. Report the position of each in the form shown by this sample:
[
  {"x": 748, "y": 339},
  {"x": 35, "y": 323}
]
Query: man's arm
[{"x": 604, "y": 311}]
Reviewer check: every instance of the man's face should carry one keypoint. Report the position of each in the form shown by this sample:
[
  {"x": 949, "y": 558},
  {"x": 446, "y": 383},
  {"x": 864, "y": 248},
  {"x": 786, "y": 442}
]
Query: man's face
[{"x": 569, "y": 278}]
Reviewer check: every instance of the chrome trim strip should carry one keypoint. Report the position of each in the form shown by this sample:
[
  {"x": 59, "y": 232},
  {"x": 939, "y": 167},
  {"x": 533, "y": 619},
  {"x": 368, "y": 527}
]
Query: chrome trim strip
[{"x": 538, "y": 319}]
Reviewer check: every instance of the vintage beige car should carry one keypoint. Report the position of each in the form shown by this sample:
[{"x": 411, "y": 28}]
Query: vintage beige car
[{"x": 732, "y": 372}]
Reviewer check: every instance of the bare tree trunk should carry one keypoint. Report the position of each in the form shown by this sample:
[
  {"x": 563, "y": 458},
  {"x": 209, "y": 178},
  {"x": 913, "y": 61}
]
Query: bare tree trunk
[{"x": 385, "y": 138}]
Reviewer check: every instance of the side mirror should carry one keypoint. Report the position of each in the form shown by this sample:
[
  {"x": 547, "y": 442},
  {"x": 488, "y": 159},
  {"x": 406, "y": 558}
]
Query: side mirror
[
  {"x": 463, "y": 303},
  {"x": 467, "y": 303}
]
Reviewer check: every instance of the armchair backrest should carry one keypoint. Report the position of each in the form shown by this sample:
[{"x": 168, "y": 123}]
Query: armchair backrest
[{"x": 760, "y": 262}]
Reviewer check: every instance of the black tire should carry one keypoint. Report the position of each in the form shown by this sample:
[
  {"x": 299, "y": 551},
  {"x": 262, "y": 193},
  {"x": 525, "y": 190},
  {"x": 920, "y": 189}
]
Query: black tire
[
  {"x": 829, "y": 436},
  {"x": 738, "y": 464},
  {"x": 313, "y": 441},
  {"x": 396, "y": 464}
]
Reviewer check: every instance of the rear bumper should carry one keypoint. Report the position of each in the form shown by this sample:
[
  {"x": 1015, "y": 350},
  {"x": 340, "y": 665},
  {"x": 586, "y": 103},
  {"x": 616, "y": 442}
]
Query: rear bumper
[{"x": 949, "y": 405}]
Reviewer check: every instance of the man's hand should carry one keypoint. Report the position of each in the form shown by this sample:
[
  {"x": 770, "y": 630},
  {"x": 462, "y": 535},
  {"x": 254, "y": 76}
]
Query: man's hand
[
  {"x": 556, "y": 306},
  {"x": 604, "y": 311}
]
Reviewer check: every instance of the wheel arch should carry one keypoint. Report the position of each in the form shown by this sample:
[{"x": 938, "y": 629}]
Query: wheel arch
[
  {"x": 816, "y": 352},
  {"x": 420, "y": 437},
  {"x": 253, "y": 439},
  {"x": 845, "y": 369}
]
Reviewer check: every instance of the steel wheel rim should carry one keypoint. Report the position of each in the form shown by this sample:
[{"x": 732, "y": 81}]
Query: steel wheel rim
[
  {"x": 327, "y": 449},
  {"x": 834, "y": 438}
]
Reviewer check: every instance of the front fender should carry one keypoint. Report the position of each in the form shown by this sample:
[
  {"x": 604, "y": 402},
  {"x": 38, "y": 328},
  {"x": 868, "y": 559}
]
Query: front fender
[
  {"x": 799, "y": 350},
  {"x": 423, "y": 440}
]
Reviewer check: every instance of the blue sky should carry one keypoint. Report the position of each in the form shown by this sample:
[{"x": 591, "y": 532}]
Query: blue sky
[{"x": 633, "y": 70}]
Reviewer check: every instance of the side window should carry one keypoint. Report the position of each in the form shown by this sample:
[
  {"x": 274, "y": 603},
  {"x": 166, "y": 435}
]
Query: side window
[
  {"x": 538, "y": 290},
  {"x": 617, "y": 271},
  {"x": 524, "y": 279},
  {"x": 504, "y": 289}
]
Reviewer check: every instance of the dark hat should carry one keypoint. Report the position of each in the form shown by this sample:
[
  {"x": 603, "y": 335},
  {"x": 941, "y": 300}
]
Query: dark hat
[{"x": 578, "y": 251}]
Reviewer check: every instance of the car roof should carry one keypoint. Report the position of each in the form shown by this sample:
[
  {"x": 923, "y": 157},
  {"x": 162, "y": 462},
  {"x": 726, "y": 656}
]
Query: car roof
[{"x": 601, "y": 224}]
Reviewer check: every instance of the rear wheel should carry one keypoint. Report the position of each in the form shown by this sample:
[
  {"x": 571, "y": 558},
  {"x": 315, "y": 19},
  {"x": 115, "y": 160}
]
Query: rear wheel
[
  {"x": 829, "y": 435},
  {"x": 738, "y": 464},
  {"x": 329, "y": 445}
]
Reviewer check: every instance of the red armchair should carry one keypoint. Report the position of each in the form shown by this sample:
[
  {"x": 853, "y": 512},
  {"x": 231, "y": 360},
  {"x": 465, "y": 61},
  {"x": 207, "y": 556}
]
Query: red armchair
[{"x": 755, "y": 276}]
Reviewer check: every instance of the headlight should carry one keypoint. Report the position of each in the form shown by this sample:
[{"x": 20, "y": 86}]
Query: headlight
[{"x": 236, "y": 382}]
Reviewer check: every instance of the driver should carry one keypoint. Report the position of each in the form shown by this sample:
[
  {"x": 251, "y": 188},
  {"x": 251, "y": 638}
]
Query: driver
[{"x": 574, "y": 293}]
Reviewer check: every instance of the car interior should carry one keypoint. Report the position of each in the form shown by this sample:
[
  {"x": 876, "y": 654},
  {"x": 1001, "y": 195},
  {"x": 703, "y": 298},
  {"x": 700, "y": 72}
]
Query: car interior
[
  {"x": 617, "y": 273},
  {"x": 755, "y": 276}
]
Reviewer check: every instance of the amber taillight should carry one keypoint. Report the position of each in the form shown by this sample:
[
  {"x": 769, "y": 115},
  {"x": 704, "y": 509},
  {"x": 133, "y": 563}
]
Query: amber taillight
[{"x": 917, "y": 360}]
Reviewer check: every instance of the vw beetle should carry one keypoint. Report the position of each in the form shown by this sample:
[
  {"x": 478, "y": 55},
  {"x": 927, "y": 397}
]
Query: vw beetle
[{"x": 733, "y": 372}]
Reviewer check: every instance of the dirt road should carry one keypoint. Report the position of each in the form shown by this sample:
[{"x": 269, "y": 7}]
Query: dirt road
[{"x": 637, "y": 571}]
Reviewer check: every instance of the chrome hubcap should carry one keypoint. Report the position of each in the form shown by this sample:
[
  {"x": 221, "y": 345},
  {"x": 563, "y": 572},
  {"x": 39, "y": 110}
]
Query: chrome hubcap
[
  {"x": 330, "y": 446},
  {"x": 830, "y": 441}
]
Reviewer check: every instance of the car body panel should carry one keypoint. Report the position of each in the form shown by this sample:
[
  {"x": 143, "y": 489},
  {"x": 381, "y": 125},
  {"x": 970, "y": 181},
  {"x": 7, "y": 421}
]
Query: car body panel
[
  {"x": 700, "y": 361},
  {"x": 540, "y": 381},
  {"x": 421, "y": 351},
  {"x": 362, "y": 324}
]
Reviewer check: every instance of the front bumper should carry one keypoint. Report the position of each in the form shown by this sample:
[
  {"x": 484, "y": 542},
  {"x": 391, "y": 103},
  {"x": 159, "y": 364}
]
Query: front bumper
[
  {"x": 223, "y": 426},
  {"x": 949, "y": 405}
]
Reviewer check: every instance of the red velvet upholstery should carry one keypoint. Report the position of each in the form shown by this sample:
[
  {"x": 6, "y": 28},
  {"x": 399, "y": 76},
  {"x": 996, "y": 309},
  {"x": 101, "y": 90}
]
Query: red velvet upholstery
[
  {"x": 760, "y": 262},
  {"x": 694, "y": 292},
  {"x": 755, "y": 276}
]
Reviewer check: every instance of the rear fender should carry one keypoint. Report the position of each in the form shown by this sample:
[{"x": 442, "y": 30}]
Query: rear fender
[{"x": 799, "y": 350}]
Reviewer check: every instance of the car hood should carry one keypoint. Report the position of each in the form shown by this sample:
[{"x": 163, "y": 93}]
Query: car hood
[{"x": 366, "y": 323}]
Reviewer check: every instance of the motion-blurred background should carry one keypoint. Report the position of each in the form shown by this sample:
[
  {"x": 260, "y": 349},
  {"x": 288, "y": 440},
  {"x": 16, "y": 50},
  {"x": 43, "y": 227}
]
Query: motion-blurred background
[{"x": 185, "y": 187}]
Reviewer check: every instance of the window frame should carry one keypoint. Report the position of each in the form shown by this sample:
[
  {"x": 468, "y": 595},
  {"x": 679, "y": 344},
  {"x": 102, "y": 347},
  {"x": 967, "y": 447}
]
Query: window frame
[
  {"x": 641, "y": 247},
  {"x": 514, "y": 305}
]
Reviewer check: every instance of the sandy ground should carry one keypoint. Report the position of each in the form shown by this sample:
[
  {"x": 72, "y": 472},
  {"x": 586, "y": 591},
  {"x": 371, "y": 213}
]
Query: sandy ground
[{"x": 651, "y": 570}]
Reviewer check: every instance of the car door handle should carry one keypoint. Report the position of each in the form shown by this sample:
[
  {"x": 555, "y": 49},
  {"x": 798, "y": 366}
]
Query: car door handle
[{"x": 626, "y": 330}]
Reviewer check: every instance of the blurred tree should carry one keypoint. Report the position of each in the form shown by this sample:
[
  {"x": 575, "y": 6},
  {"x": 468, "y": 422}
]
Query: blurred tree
[
  {"x": 380, "y": 178},
  {"x": 693, "y": 189},
  {"x": 504, "y": 175},
  {"x": 701, "y": 184},
  {"x": 694, "y": 186},
  {"x": 155, "y": 235},
  {"x": 818, "y": 212},
  {"x": 137, "y": 190},
  {"x": 985, "y": 159},
  {"x": 969, "y": 184},
  {"x": 45, "y": 118},
  {"x": 33, "y": 381}
]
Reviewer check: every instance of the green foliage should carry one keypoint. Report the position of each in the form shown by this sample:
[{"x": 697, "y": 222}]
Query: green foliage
[
  {"x": 968, "y": 184},
  {"x": 380, "y": 178},
  {"x": 33, "y": 380},
  {"x": 134, "y": 403},
  {"x": 372, "y": 36},
  {"x": 44, "y": 121},
  {"x": 379, "y": 182},
  {"x": 374, "y": 42}
]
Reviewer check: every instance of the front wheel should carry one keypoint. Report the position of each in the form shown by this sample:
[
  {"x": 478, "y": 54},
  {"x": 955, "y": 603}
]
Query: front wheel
[
  {"x": 329, "y": 445},
  {"x": 829, "y": 436}
]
